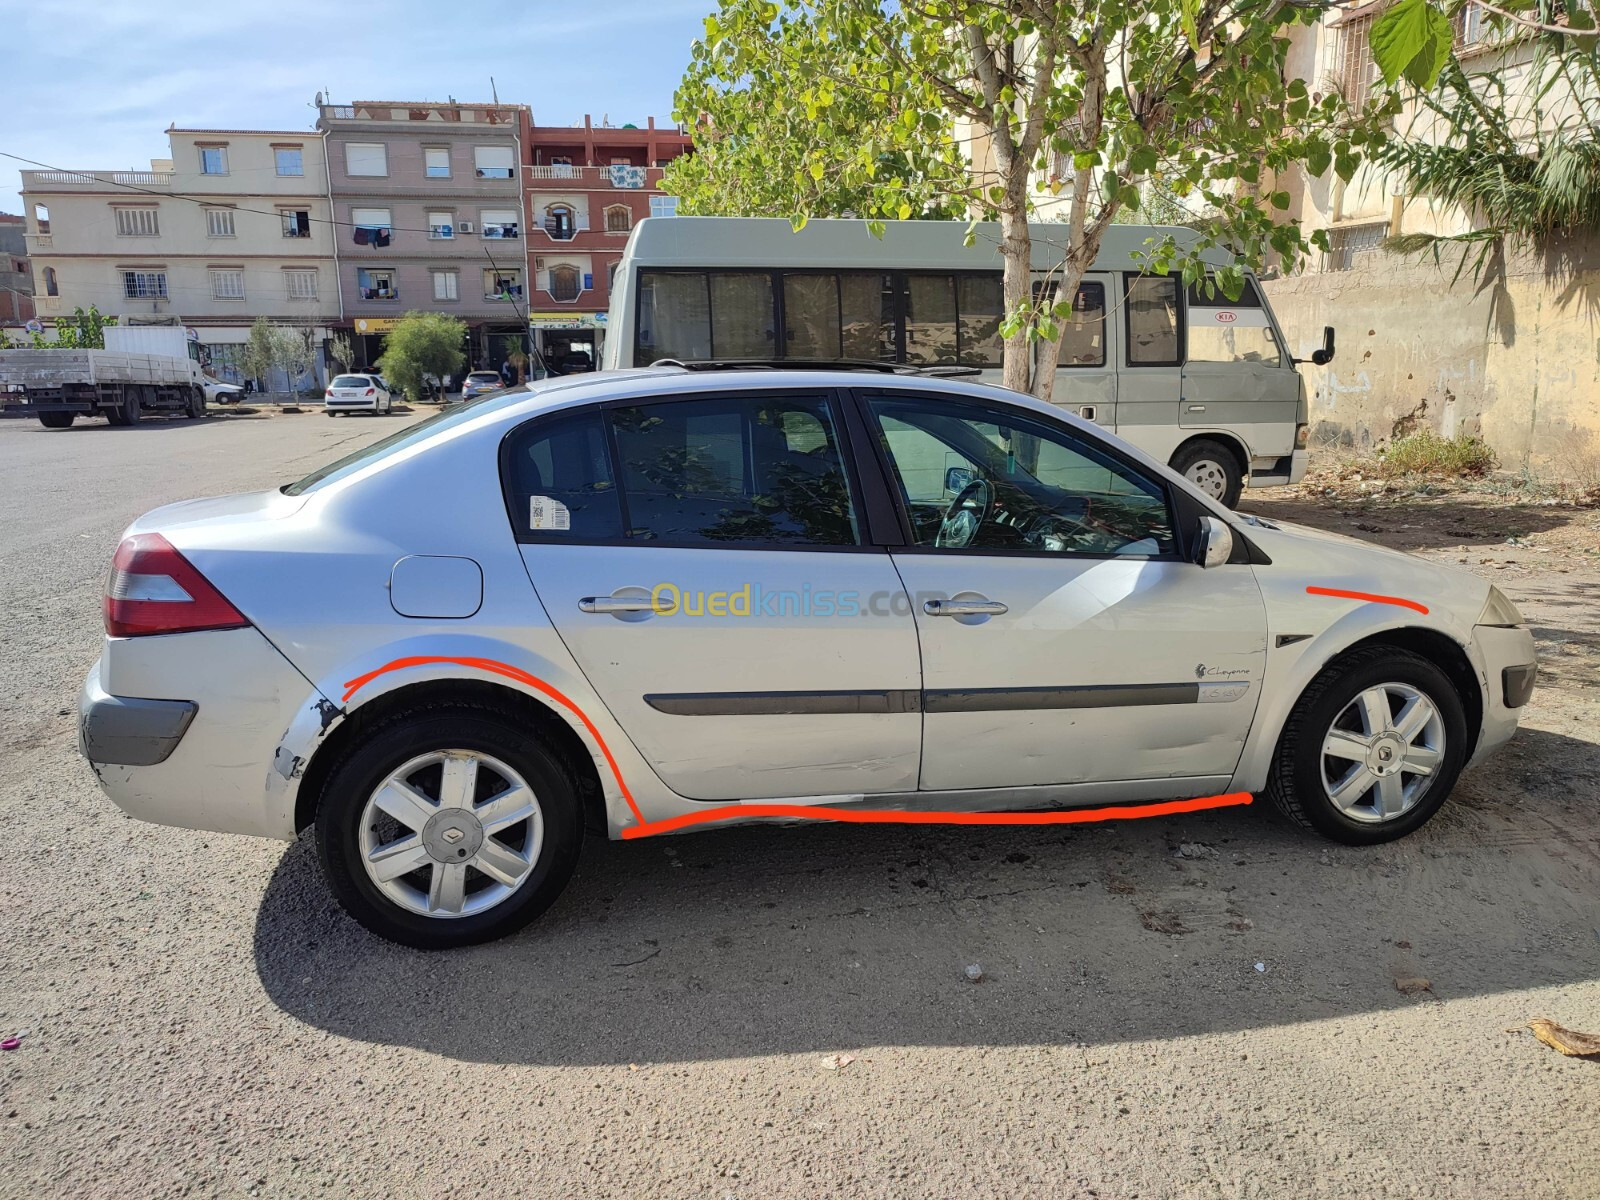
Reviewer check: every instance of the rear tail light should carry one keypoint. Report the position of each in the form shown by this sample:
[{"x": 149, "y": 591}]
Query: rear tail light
[
  {"x": 372, "y": 391},
  {"x": 1302, "y": 436},
  {"x": 154, "y": 589}
]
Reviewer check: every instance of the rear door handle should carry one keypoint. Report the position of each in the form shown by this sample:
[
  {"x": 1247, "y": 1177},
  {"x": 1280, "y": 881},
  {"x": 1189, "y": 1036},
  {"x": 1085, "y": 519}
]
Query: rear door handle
[
  {"x": 1197, "y": 408},
  {"x": 617, "y": 604},
  {"x": 964, "y": 608}
]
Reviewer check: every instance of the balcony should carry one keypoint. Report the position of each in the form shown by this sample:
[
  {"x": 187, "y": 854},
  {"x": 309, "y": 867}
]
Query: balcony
[
  {"x": 378, "y": 293},
  {"x": 56, "y": 180},
  {"x": 585, "y": 178}
]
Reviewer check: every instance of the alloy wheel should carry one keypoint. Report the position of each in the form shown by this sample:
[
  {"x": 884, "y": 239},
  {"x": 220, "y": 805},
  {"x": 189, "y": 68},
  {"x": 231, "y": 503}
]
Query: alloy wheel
[
  {"x": 1382, "y": 752},
  {"x": 451, "y": 833}
]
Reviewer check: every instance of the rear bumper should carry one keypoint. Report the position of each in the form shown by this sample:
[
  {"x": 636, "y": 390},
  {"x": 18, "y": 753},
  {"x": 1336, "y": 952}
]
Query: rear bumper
[
  {"x": 1508, "y": 670},
  {"x": 1291, "y": 468},
  {"x": 183, "y": 729},
  {"x": 364, "y": 404}
]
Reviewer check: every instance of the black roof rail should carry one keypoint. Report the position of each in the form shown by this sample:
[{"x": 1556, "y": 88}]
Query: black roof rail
[{"x": 946, "y": 371}]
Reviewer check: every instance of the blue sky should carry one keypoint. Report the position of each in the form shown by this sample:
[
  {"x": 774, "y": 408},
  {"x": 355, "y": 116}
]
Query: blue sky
[{"x": 94, "y": 83}]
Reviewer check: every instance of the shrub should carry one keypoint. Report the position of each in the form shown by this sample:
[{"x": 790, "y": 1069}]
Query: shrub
[{"x": 1426, "y": 453}]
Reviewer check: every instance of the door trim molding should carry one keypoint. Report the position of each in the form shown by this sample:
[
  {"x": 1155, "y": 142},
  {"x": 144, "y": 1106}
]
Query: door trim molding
[
  {"x": 942, "y": 700},
  {"x": 784, "y": 704}
]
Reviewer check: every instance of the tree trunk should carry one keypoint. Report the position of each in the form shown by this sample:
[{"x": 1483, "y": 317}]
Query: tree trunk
[{"x": 1016, "y": 249}]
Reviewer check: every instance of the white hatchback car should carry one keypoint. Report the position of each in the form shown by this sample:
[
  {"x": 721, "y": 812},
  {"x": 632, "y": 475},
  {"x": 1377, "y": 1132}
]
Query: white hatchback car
[
  {"x": 357, "y": 393},
  {"x": 672, "y": 598}
]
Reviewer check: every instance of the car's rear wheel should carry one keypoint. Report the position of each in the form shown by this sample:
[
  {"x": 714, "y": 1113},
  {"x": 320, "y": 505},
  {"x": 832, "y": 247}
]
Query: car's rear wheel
[
  {"x": 447, "y": 826},
  {"x": 1212, "y": 468},
  {"x": 1372, "y": 749}
]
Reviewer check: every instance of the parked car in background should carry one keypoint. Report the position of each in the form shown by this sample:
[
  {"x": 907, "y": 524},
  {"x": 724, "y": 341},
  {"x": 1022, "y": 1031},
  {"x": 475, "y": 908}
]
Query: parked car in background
[
  {"x": 218, "y": 392},
  {"x": 481, "y": 383},
  {"x": 357, "y": 393},
  {"x": 675, "y": 597}
]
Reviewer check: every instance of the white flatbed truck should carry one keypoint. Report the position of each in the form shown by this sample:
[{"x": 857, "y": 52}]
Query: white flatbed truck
[{"x": 144, "y": 370}]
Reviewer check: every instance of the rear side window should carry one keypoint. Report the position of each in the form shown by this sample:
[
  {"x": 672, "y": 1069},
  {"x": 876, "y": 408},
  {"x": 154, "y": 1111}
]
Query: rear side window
[{"x": 559, "y": 482}]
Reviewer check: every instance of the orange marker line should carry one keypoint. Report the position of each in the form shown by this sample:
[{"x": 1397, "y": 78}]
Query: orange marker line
[
  {"x": 509, "y": 672},
  {"x": 853, "y": 816},
  {"x": 1369, "y": 596},
  {"x": 880, "y": 816}
]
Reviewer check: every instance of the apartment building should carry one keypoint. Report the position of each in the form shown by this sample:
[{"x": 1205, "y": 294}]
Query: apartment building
[
  {"x": 429, "y": 215},
  {"x": 234, "y": 225},
  {"x": 586, "y": 186},
  {"x": 16, "y": 276}
]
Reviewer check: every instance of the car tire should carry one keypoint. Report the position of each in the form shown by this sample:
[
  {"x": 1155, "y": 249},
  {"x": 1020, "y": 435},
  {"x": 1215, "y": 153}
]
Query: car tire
[
  {"x": 1331, "y": 712},
  {"x": 57, "y": 420},
  {"x": 348, "y": 829},
  {"x": 1212, "y": 468}
]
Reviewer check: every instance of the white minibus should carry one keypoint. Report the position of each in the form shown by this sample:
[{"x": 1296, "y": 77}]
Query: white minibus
[{"x": 1201, "y": 382}]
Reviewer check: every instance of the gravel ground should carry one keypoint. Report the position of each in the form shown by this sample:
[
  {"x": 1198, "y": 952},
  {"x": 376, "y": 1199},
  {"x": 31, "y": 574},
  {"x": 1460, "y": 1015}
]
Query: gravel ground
[{"x": 1212, "y": 1006}]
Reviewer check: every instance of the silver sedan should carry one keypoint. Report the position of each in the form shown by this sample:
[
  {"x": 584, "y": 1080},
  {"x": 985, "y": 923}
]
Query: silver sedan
[{"x": 652, "y": 601}]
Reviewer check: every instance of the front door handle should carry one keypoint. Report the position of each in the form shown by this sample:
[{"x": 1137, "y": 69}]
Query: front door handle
[
  {"x": 1197, "y": 408},
  {"x": 617, "y": 604},
  {"x": 964, "y": 608}
]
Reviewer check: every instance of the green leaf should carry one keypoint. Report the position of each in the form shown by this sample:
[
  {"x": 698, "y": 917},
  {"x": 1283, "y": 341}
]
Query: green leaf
[
  {"x": 1187, "y": 12},
  {"x": 1142, "y": 160},
  {"x": 816, "y": 170},
  {"x": 1280, "y": 200},
  {"x": 1318, "y": 159},
  {"x": 904, "y": 211},
  {"x": 1412, "y": 39},
  {"x": 797, "y": 222}
]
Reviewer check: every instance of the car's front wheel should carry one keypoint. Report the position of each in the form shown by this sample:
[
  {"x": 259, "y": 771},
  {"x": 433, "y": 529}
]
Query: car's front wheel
[
  {"x": 1372, "y": 749},
  {"x": 447, "y": 826}
]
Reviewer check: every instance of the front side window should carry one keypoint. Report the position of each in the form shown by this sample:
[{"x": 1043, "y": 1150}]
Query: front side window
[
  {"x": 740, "y": 468},
  {"x": 1152, "y": 321},
  {"x": 288, "y": 160},
  {"x": 974, "y": 476},
  {"x": 213, "y": 160},
  {"x": 1229, "y": 331}
]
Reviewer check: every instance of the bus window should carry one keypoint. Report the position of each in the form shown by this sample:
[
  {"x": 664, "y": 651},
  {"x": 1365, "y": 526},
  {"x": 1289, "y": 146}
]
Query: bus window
[
  {"x": 1084, "y": 342},
  {"x": 674, "y": 317},
  {"x": 981, "y": 300},
  {"x": 1152, "y": 321},
  {"x": 741, "y": 315},
  {"x": 1230, "y": 331},
  {"x": 930, "y": 319},
  {"x": 866, "y": 325},
  {"x": 811, "y": 316}
]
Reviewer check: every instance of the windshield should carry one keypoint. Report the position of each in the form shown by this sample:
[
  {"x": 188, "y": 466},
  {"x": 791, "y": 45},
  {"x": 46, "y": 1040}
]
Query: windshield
[
  {"x": 355, "y": 381},
  {"x": 399, "y": 440}
]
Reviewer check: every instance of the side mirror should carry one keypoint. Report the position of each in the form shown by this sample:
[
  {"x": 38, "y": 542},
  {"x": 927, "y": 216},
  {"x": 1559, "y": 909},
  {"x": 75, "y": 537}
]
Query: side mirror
[
  {"x": 956, "y": 478},
  {"x": 1324, "y": 356},
  {"x": 1216, "y": 542}
]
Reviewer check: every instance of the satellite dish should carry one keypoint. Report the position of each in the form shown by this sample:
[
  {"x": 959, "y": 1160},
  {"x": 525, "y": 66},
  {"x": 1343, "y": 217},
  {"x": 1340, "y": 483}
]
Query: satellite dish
[
  {"x": 34, "y": 326},
  {"x": 319, "y": 99}
]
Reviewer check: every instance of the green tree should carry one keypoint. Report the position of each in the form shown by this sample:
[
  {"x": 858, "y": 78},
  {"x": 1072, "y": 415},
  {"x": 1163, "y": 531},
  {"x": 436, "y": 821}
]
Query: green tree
[
  {"x": 341, "y": 351},
  {"x": 423, "y": 344},
  {"x": 516, "y": 355},
  {"x": 891, "y": 109},
  {"x": 1520, "y": 156},
  {"x": 261, "y": 351}
]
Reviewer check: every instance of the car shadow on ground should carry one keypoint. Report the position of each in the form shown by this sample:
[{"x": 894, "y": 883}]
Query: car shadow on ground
[{"x": 763, "y": 940}]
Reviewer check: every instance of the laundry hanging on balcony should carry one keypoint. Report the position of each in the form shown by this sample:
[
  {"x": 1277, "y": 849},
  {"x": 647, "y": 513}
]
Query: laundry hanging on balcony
[
  {"x": 368, "y": 235},
  {"x": 625, "y": 176}
]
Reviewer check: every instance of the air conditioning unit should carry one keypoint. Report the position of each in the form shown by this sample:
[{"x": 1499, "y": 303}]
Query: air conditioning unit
[{"x": 464, "y": 227}]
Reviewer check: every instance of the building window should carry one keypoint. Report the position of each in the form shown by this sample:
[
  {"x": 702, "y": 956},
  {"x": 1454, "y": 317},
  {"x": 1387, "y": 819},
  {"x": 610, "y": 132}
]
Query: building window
[
  {"x": 41, "y": 219},
  {"x": 219, "y": 222},
  {"x": 560, "y": 222},
  {"x": 494, "y": 162},
  {"x": 500, "y": 223},
  {"x": 1357, "y": 74},
  {"x": 300, "y": 285},
  {"x": 144, "y": 285},
  {"x": 564, "y": 283},
  {"x": 227, "y": 285},
  {"x": 1346, "y": 245},
  {"x": 371, "y": 219},
  {"x": 289, "y": 160},
  {"x": 376, "y": 285},
  {"x": 502, "y": 283},
  {"x": 441, "y": 225},
  {"x": 296, "y": 222},
  {"x": 663, "y": 206},
  {"x": 1469, "y": 25},
  {"x": 366, "y": 158},
  {"x": 446, "y": 285},
  {"x": 436, "y": 162},
  {"x": 137, "y": 222},
  {"x": 213, "y": 160},
  {"x": 619, "y": 218},
  {"x": 51, "y": 288}
]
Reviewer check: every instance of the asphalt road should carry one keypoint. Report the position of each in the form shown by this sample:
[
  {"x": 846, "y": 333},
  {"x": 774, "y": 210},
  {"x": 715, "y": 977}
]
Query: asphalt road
[{"x": 1211, "y": 1006}]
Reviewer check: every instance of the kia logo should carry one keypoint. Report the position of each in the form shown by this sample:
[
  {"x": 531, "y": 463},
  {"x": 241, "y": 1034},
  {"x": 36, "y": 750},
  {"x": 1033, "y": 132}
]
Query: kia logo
[{"x": 1227, "y": 318}]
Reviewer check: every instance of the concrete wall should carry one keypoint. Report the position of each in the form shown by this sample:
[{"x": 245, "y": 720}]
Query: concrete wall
[{"x": 1516, "y": 360}]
